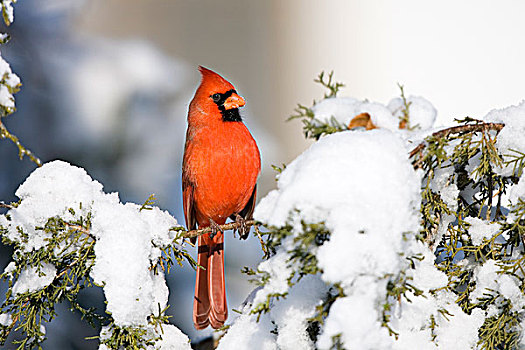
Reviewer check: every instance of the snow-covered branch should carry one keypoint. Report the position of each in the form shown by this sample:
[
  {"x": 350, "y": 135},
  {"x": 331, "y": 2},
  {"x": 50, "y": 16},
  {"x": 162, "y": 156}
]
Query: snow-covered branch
[
  {"x": 371, "y": 253},
  {"x": 470, "y": 128},
  {"x": 9, "y": 85}
]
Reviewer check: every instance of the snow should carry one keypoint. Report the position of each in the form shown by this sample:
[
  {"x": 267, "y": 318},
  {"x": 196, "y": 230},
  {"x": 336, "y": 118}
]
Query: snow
[
  {"x": 247, "y": 333},
  {"x": 33, "y": 278},
  {"x": 422, "y": 113},
  {"x": 511, "y": 136},
  {"x": 172, "y": 339},
  {"x": 127, "y": 242},
  {"x": 457, "y": 331},
  {"x": 7, "y": 7},
  {"x": 480, "y": 230},
  {"x": 344, "y": 109},
  {"x": 278, "y": 271},
  {"x": 122, "y": 265},
  {"x": 9, "y": 82},
  {"x": 5, "y": 319},
  {"x": 443, "y": 186},
  {"x": 50, "y": 191},
  {"x": 379, "y": 114},
  {"x": 6, "y": 98},
  {"x": 340, "y": 171},
  {"x": 427, "y": 276},
  {"x": 356, "y": 319},
  {"x": 11, "y": 267},
  {"x": 360, "y": 185},
  {"x": 350, "y": 177},
  {"x": 460, "y": 331},
  {"x": 340, "y": 108},
  {"x": 290, "y": 314},
  {"x": 490, "y": 281},
  {"x": 518, "y": 191}
]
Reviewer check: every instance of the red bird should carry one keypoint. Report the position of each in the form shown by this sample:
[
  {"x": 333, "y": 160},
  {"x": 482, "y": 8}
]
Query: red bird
[{"x": 219, "y": 174}]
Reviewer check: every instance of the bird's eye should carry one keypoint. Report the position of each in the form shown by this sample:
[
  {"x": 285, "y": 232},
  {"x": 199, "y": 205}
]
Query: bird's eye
[{"x": 216, "y": 97}]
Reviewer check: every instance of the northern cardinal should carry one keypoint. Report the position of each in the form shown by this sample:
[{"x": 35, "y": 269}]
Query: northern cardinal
[{"x": 219, "y": 174}]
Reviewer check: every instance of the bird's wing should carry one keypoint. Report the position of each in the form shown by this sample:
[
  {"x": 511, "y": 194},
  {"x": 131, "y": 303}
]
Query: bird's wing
[
  {"x": 247, "y": 212},
  {"x": 187, "y": 202}
]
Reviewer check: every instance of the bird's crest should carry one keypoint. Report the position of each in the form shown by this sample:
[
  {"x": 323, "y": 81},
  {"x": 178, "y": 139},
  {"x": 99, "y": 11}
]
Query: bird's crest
[{"x": 212, "y": 81}]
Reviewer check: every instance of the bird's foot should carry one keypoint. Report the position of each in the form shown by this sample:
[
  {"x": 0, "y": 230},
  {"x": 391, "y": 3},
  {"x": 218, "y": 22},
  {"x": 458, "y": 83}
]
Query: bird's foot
[
  {"x": 242, "y": 228},
  {"x": 214, "y": 228}
]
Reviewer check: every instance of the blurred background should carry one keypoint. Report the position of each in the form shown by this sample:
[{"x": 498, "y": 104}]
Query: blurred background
[{"x": 107, "y": 83}]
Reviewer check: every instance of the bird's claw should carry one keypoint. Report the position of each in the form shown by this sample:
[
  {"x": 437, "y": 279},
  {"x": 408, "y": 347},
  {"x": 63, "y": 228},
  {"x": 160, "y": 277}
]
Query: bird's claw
[
  {"x": 242, "y": 229},
  {"x": 214, "y": 228}
]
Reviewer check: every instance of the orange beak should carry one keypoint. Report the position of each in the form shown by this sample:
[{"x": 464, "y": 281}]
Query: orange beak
[{"x": 234, "y": 101}]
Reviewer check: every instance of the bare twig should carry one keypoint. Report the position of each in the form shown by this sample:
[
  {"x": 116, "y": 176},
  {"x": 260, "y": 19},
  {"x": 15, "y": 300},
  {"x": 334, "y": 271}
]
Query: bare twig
[
  {"x": 22, "y": 151},
  {"x": 202, "y": 231},
  {"x": 430, "y": 240},
  {"x": 78, "y": 228},
  {"x": 8, "y": 206},
  {"x": 453, "y": 130},
  {"x": 263, "y": 246}
]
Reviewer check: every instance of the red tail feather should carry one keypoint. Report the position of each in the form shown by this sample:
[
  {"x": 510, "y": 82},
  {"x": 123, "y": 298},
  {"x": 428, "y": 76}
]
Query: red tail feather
[
  {"x": 201, "y": 303},
  {"x": 209, "y": 305}
]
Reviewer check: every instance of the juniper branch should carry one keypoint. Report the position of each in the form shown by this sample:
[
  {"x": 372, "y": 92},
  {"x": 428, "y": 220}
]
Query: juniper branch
[
  {"x": 22, "y": 151},
  {"x": 8, "y": 330},
  {"x": 454, "y": 130}
]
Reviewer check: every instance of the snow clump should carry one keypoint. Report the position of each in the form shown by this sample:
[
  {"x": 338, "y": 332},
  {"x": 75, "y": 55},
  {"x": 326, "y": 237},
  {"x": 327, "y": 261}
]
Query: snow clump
[
  {"x": 510, "y": 138},
  {"x": 128, "y": 242},
  {"x": 422, "y": 113}
]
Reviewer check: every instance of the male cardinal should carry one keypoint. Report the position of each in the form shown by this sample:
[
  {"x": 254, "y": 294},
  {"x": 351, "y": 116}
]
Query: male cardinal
[{"x": 219, "y": 173}]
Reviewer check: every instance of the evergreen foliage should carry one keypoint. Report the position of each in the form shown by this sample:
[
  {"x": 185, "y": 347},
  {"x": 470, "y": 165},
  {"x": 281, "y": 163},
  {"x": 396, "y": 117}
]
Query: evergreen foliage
[
  {"x": 468, "y": 156},
  {"x": 312, "y": 127},
  {"x": 71, "y": 251}
]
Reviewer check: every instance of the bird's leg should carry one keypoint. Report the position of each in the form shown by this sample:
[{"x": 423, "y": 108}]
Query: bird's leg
[
  {"x": 242, "y": 229},
  {"x": 214, "y": 228}
]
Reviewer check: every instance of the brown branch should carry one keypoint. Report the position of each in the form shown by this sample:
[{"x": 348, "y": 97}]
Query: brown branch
[
  {"x": 8, "y": 206},
  {"x": 230, "y": 226},
  {"x": 454, "y": 130},
  {"x": 79, "y": 228}
]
